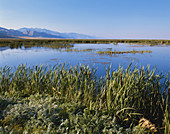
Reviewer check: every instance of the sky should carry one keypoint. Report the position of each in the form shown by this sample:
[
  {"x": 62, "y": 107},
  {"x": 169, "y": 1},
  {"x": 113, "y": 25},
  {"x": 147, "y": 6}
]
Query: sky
[{"x": 101, "y": 18}]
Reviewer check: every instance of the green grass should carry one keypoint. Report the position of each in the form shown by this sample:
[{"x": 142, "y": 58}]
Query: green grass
[{"x": 63, "y": 99}]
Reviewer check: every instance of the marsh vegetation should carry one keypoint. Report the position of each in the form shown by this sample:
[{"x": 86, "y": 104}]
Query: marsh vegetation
[
  {"x": 17, "y": 43},
  {"x": 62, "y": 99},
  {"x": 84, "y": 41},
  {"x": 78, "y": 50},
  {"x": 124, "y": 52}
]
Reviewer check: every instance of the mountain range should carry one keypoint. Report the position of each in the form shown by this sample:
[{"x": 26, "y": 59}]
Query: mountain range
[{"x": 39, "y": 33}]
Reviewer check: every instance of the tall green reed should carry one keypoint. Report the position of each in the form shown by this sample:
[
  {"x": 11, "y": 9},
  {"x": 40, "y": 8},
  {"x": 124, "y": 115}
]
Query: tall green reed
[{"x": 129, "y": 94}]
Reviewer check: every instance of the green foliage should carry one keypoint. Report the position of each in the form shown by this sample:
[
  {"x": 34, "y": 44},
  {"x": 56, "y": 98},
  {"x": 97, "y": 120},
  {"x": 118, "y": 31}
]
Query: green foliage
[
  {"x": 64, "y": 99},
  {"x": 33, "y": 113},
  {"x": 45, "y": 114}
]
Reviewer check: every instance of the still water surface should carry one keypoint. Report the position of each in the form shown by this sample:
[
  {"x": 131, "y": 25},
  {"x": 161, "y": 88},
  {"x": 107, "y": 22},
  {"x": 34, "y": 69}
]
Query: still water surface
[{"x": 160, "y": 56}]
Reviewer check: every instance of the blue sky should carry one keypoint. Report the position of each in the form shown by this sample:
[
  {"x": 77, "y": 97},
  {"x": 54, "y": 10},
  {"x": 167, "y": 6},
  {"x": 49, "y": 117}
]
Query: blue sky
[{"x": 103, "y": 18}]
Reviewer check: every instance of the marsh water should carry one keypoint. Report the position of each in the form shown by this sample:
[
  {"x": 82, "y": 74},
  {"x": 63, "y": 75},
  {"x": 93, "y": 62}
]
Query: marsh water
[{"x": 159, "y": 57}]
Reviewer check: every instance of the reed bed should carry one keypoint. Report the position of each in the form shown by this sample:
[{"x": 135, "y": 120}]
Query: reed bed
[
  {"x": 78, "y": 50},
  {"x": 92, "y": 41},
  {"x": 124, "y": 52},
  {"x": 64, "y": 99},
  {"x": 34, "y": 43}
]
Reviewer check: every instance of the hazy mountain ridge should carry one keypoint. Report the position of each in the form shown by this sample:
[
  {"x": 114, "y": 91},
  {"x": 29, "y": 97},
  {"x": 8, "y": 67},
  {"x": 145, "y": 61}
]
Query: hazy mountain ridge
[
  {"x": 9, "y": 33},
  {"x": 54, "y": 33},
  {"x": 38, "y": 32}
]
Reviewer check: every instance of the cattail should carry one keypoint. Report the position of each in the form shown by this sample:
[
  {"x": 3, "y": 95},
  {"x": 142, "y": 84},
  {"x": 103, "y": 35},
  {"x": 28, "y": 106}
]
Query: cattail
[
  {"x": 121, "y": 79},
  {"x": 81, "y": 69},
  {"x": 168, "y": 90},
  {"x": 76, "y": 73},
  {"x": 85, "y": 73},
  {"x": 142, "y": 76},
  {"x": 70, "y": 71},
  {"x": 142, "y": 72},
  {"x": 109, "y": 76},
  {"x": 89, "y": 74}
]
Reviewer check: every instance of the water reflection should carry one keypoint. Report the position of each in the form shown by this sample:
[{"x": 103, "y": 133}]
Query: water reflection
[{"x": 87, "y": 54}]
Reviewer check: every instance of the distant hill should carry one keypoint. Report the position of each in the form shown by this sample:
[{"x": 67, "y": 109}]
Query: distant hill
[
  {"x": 9, "y": 33},
  {"x": 39, "y": 30},
  {"x": 54, "y": 33},
  {"x": 39, "y": 33}
]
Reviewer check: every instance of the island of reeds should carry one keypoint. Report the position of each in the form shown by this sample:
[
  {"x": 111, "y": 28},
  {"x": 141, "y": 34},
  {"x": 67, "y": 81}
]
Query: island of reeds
[
  {"x": 65, "y": 99},
  {"x": 124, "y": 52}
]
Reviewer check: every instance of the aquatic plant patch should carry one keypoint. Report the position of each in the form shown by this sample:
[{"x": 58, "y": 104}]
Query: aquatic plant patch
[{"x": 124, "y": 52}]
